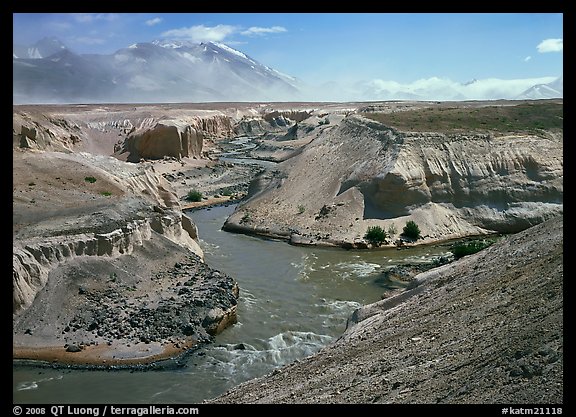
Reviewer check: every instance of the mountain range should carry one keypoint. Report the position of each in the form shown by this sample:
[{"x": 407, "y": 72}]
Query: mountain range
[
  {"x": 159, "y": 71},
  {"x": 184, "y": 71}
]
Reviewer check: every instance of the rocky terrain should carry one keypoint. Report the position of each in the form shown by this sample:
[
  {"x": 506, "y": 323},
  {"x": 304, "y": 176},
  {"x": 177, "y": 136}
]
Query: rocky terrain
[
  {"x": 99, "y": 193},
  {"x": 502, "y": 175},
  {"x": 487, "y": 328},
  {"x": 99, "y": 231}
]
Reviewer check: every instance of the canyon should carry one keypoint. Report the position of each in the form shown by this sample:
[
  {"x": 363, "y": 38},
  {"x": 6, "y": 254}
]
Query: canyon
[{"x": 100, "y": 231}]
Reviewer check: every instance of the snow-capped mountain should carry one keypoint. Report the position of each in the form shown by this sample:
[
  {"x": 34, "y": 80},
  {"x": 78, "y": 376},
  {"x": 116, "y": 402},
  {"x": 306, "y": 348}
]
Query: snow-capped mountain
[
  {"x": 555, "y": 89},
  {"x": 41, "y": 49},
  {"x": 159, "y": 71}
]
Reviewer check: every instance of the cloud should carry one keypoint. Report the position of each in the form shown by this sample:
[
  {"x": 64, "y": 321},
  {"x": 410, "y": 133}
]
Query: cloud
[
  {"x": 435, "y": 88},
  {"x": 550, "y": 45},
  {"x": 88, "y": 41},
  {"x": 257, "y": 31},
  {"x": 59, "y": 26},
  {"x": 528, "y": 58},
  {"x": 91, "y": 17},
  {"x": 201, "y": 33},
  {"x": 152, "y": 22}
]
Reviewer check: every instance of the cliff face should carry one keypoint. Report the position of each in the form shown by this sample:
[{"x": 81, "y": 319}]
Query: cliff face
[
  {"x": 362, "y": 173},
  {"x": 174, "y": 138},
  {"x": 124, "y": 206},
  {"x": 166, "y": 138},
  {"x": 137, "y": 133},
  {"x": 44, "y": 133}
]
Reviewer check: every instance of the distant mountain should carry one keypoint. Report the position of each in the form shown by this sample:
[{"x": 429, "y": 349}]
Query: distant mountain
[
  {"x": 555, "y": 89},
  {"x": 159, "y": 71},
  {"x": 41, "y": 49}
]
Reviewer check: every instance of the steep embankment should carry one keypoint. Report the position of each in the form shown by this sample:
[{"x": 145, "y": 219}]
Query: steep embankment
[
  {"x": 487, "y": 328},
  {"x": 362, "y": 173},
  {"x": 107, "y": 269}
]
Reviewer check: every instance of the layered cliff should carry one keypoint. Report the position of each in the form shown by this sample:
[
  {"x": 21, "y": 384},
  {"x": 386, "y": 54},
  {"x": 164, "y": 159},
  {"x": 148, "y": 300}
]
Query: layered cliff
[
  {"x": 99, "y": 242},
  {"x": 363, "y": 173},
  {"x": 174, "y": 138},
  {"x": 59, "y": 215}
]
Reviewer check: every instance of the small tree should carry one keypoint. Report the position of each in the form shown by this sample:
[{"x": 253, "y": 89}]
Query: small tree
[
  {"x": 375, "y": 235},
  {"x": 194, "y": 195},
  {"x": 411, "y": 230}
]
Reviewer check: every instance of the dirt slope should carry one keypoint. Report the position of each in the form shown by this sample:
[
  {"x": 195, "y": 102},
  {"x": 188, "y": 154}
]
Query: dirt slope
[{"x": 485, "y": 329}]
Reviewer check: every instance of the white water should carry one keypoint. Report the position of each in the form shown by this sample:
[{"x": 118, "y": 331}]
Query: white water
[{"x": 293, "y": 301}]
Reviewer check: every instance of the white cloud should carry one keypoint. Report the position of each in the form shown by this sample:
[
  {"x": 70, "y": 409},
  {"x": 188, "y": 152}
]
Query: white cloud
[
  {"x": 551, "y": 45},
  {"x": 201, "y": 33},
  {"x": 435, "y": 88},
  {"x": 88, "y": 41},
  {"x": 256, "y": 31},
  {"x": 528, "y": 58},
  {"x": 59, "y": 26},
  {"x": 91, "y": 17},
  {"x": 155, "y": 21}
]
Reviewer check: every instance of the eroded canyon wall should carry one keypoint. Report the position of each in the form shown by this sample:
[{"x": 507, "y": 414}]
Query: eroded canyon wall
[{"x": 363, "y": 173}]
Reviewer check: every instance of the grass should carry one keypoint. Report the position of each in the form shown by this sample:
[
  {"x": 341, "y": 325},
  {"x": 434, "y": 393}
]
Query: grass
[
  {"x": 521, "y": 118},
  {"x": 106, "y": 193},
  {"x": 91, "y": 180}
]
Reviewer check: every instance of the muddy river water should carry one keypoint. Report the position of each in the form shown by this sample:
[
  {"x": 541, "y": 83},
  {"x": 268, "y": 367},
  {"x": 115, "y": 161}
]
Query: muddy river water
[{"x": 293, "y": 301}]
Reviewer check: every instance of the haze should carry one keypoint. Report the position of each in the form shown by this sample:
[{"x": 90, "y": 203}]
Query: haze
[{"x": 344, "y": 57}]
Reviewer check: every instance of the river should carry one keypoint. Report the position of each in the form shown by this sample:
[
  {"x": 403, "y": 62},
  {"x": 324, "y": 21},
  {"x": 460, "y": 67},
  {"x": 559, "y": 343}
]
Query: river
[{"x": 293, "y": 301}]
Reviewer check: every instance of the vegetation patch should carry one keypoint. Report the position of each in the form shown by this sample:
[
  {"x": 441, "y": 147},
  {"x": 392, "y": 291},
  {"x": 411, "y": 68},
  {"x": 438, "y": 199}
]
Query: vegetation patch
[
  {"x": 411, "y": 230},
  {"x": 376, "y": 235},
  {"x": 194, "y": 196},
  {"x": 461, "y": 249},
  {"x": 532, "y": 118},
  {"x": 91, "y": 180}
]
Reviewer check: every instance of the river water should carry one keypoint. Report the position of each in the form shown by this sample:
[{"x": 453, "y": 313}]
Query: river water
[{"x": 293, "y": 301}]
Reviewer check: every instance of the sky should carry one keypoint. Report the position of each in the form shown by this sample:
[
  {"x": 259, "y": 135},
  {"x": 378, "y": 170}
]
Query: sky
[{"x": 404, "y": 48}]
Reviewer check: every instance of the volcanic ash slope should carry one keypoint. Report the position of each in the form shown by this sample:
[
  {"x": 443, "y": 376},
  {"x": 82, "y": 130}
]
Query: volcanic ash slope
[
  {"x": 487, "y": 328},
  {"x": 361, "y": 173}
]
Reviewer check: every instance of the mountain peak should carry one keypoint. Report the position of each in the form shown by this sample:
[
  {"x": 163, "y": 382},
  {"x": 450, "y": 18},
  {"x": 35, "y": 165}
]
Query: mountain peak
[
  {"x": 554, "y": 89},
  {"x": 173, "y": 44},
  {"x": 45, "y": 47},
  {"x": 162, "y": 70}
]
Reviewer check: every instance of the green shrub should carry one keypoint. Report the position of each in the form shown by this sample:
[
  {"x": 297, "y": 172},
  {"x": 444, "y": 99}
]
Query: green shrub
[
  {"x": 461, "y": 249},
  {"x": 375, "y": 235},
  {"x": 411, "y": 230},
  {"x": 91, "y": 180},
  {"x": 194, "y": 195},
  {"x": 106, "y": 193},
  {"x": 227, "y": 192},
  {"x": 301, "y": 209}
]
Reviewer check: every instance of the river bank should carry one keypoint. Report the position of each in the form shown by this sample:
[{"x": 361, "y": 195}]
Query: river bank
[{"x": 485, "y": 329}]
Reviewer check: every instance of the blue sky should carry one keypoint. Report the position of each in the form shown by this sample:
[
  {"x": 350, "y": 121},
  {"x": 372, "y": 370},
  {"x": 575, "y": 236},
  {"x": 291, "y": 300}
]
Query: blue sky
[{"x": 343, "y": 47}]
